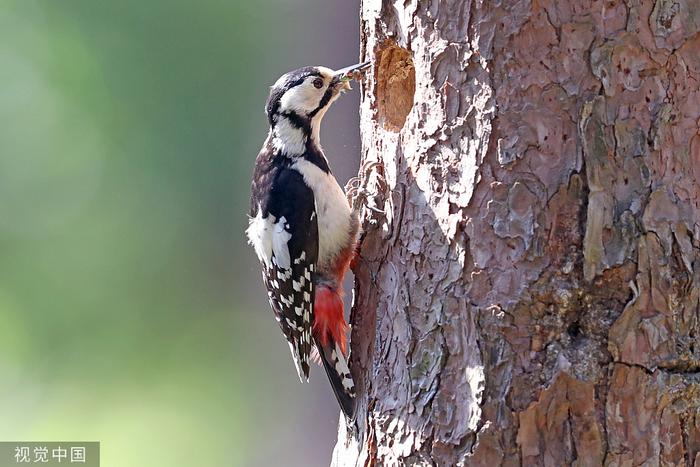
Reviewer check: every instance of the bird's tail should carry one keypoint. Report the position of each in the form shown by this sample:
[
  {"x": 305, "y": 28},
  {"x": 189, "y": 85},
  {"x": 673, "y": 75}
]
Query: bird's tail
[{"x": 331, "y": 341}]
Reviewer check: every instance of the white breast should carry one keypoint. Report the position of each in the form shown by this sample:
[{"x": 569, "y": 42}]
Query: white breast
[{"x": 332, "y": 209}]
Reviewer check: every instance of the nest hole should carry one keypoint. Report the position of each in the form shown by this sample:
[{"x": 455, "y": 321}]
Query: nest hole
[{"x": 396, "y": 85}]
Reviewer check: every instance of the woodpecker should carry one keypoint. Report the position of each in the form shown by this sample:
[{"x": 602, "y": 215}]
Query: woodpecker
[{"x": 301, "y": 226}]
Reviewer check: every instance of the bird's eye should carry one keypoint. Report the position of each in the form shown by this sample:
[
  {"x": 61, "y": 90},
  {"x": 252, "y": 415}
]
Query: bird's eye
[{"x": 318, "y": 83}]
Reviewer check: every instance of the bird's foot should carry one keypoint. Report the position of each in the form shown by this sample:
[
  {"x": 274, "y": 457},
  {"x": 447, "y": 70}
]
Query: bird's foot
[{"x": 357, "y": 191}]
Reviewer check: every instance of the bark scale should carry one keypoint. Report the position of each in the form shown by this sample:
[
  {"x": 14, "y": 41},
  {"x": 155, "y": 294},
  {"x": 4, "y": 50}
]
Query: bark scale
[{"x": 530, "y": 293}]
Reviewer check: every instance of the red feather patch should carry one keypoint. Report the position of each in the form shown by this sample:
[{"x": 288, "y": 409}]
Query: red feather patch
[{"x": 329, "y": 322}]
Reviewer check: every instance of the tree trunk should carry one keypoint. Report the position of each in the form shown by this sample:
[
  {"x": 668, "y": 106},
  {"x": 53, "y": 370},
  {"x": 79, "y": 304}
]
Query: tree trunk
[{"x": 530, "y": 293}]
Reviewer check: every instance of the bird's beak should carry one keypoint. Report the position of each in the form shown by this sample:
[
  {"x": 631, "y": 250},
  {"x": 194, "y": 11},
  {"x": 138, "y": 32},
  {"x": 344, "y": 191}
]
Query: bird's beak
[{"x": 347, "y": 74}]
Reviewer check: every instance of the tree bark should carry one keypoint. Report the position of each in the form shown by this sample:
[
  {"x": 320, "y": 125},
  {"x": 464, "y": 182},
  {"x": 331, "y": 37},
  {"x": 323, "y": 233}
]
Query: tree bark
[{"x": 530, "y": 293}]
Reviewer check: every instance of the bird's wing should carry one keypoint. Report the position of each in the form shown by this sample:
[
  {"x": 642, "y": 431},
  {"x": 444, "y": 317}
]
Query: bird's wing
[{"x": 289, "y": 273}]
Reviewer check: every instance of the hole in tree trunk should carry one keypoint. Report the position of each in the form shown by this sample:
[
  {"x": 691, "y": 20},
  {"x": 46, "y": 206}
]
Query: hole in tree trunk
[
  {"x": 574, "y": 329},
  {"x": 396, "y": 85}
]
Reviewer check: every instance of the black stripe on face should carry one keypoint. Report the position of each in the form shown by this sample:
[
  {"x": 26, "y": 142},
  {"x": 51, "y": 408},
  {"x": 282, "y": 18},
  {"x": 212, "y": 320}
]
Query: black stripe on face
[
  {"x": 298, "y": 121},
  {"x": 326, "y": 98}
]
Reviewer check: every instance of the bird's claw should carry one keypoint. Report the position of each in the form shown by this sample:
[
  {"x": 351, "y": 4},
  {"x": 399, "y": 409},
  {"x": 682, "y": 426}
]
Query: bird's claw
[
  {"x": 352, "y": 187},
  {"x": 359, "y": 201},
  {"x": 357, "y": 190}
]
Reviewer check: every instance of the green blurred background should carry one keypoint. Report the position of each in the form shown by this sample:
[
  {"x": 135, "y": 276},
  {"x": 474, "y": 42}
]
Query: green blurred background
[{"x": 131, "y": 309}]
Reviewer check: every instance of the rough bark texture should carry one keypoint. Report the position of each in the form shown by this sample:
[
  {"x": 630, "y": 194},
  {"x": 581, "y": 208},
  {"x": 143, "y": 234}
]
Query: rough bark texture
[{"x": 530, "y": 293}]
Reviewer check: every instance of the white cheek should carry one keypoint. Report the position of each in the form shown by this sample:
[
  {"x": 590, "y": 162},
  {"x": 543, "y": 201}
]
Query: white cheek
[{"x": 300, "y": 99}]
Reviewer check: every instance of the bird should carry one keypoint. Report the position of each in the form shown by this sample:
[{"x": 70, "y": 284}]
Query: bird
[{"x": 301, "y": 226}]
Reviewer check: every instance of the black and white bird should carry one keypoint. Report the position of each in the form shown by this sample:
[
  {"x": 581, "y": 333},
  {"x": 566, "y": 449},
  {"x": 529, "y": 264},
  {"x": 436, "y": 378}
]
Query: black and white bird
[{"x": 302, "y": 227}]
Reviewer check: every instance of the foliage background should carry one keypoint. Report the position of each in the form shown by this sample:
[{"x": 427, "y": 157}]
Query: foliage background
[{"x": 131, "y": 309}]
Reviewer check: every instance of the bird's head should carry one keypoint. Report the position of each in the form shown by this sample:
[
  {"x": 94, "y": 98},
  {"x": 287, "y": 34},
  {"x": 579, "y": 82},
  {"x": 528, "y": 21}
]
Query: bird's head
[{"x": 301, "y": 97}]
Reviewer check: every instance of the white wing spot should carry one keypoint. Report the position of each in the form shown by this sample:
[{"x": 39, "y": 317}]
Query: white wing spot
[
  {"x": 259, "y": 234},
  {"x": 287, "y": 301},
  {"x": 296, "y": 363},
  {"x": 280, "y": 237}
]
